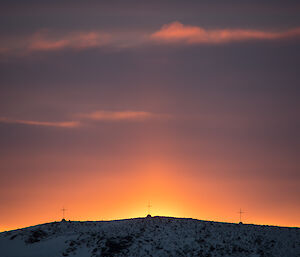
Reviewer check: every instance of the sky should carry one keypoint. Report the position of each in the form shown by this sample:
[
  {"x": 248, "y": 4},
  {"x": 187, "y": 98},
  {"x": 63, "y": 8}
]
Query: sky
[{"x": 192, "y": 106}]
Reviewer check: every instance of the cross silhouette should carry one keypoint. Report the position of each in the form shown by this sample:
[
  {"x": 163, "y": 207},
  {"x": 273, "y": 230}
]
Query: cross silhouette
[
  {"x": 241, "y": 212},
  {"x": 63, "y": 211}
]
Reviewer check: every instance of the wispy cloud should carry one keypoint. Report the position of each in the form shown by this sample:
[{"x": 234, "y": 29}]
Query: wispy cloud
[
  {"x": 48, "y": 40},
  {"x": 119, "y": 115},
  {"x": 82, "y": 119},
  {"x": 176, "y": 32},
  {"x": 45, "y": 41},
  {"x": 64, "y": 124}
]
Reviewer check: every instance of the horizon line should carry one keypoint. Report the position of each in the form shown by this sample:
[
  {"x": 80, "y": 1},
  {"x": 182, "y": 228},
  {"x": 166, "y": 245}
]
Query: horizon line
[{"x": 151, "y": 217}]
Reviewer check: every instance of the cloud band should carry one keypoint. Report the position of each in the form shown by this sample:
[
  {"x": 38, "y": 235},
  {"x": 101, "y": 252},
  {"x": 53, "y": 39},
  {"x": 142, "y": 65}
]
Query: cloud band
[{"x": 176, "y": 32}]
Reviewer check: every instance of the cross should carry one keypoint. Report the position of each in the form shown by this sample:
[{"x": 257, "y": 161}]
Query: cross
[
  {"x": 63, "y": 211},
  {"x": 241, "y": 212},
  {"x": 149, "y": 207}
]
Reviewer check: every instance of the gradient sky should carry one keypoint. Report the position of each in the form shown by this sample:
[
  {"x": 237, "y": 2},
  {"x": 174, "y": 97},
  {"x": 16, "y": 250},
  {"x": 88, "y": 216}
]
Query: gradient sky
[{"x": 192, "y": 105}]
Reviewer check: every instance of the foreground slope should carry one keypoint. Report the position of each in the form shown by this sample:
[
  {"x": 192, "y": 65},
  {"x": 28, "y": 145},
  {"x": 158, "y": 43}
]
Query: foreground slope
[{"x": 157, "y": 236}]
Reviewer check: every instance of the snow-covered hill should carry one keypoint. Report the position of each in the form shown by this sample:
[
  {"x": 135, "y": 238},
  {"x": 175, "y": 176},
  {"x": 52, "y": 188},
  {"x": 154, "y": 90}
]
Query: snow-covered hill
[{"x": 156, "y": 236}]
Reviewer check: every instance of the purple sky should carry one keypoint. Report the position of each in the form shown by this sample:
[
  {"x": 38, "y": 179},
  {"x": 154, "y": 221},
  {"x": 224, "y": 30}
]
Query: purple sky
[{"x": 210, "y": 87}]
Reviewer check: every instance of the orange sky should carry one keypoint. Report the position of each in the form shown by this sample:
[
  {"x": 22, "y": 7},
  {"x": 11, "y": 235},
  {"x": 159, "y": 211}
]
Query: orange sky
[{"x": 163, "y": 183}]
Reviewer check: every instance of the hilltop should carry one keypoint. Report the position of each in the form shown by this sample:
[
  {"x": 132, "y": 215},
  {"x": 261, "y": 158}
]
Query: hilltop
[{"x": 156, "y": 236}]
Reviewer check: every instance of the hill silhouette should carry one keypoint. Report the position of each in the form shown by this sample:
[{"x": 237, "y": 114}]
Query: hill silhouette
[{"x": 151, "y": 236}]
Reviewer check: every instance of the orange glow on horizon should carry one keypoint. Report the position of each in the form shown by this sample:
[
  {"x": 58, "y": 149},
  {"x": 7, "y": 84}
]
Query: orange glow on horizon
[{"x": 121, "y": 196}]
